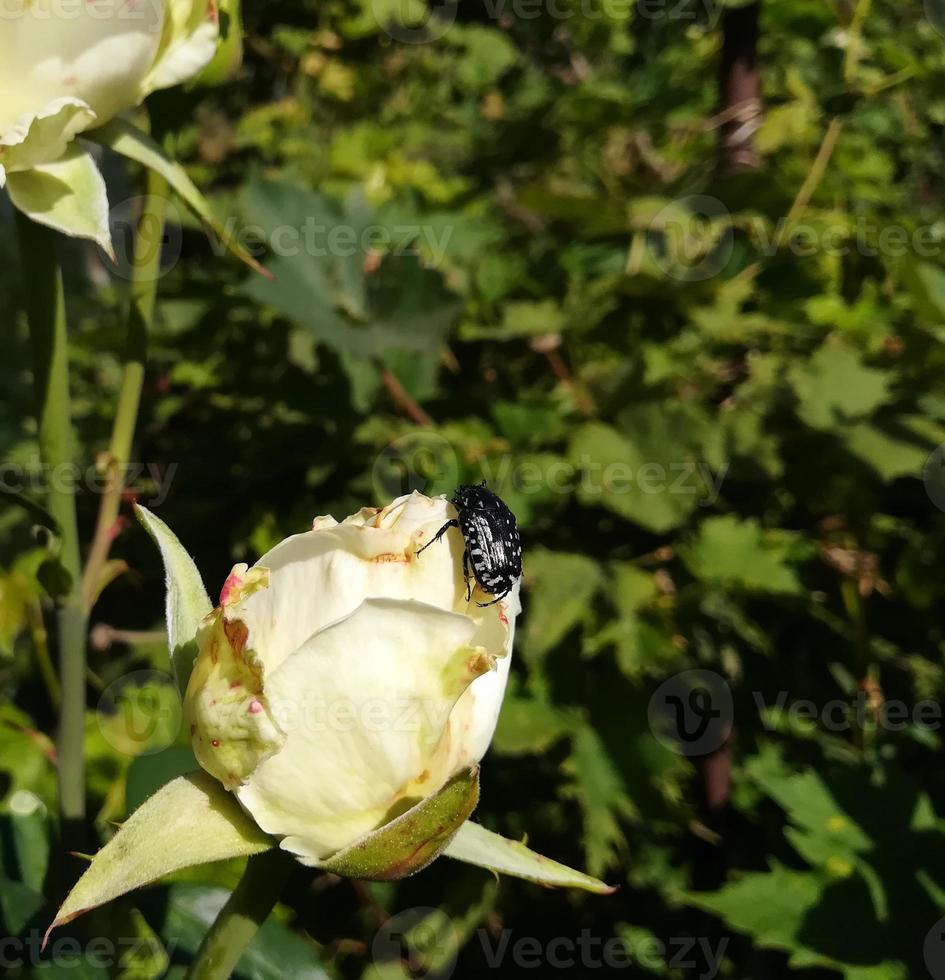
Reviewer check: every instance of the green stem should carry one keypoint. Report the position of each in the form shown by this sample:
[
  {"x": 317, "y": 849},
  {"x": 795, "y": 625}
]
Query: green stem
[
  {"x": 145, "y": 276},
  {"x": 240, "y": 919},
  {"x": 45, "y": 303}
]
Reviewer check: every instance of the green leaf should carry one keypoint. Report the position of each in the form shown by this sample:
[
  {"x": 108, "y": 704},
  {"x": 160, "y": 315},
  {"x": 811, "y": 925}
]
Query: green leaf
[
  {"x": 18, "y": 904},
  {"x": 187, "y": 599},
  {"x": 146, "y": 957},
  {"x": 414, "y": 839},
  {"x": 835, "y": 387},
  {"x": 654, "y": 470},
  {"x": 129, "y": 141},
  {"x": 798, "y": 912},
  {"x": 641, "y": 643},
  {"x": 273, "y": 953},
  {"x": 926, "y": 283},
  {"x": 529, "y": 727},
  {"x": 27, "y": 757},
  {"x": 321, "y": 281},
  {"x": 597, "y": 785},
  {"x": 24, "y": 832},
  {"x": 520, "y": 320},
  {"x": 738, "y": 554},
  {"x": 895, "y": 450},
  {"x": 192, "y": 820},
  {"x": 561, "y": 587},
  {"x": 148, "y": 773},
  {"x": 16, "y": 594},
  {"x": 476, "y": 845}
]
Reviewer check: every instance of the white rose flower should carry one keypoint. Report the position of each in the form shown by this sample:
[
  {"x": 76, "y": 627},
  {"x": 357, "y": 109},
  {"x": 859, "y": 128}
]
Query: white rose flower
[
  {"x": 341, "y": 696},
  {"x": 344, "y": 678},
  {"x": 67, "y": 67}
]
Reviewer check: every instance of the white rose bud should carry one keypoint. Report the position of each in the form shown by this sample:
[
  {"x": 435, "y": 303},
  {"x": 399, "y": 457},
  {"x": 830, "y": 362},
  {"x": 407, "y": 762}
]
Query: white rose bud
[
  {"x": 344, "y": 678},
  {"x": 69, "y": 67}
]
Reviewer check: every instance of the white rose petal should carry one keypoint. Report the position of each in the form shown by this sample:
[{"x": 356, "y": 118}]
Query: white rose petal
[{"x": 68, "y": 67}]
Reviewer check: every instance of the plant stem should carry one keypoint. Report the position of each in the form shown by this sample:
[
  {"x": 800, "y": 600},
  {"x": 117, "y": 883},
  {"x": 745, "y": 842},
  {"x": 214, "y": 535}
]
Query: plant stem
[
  {"x": 146, "y": 272},
  {"x": 240, "y": 919},
  {"x": 45, "y": 302}
]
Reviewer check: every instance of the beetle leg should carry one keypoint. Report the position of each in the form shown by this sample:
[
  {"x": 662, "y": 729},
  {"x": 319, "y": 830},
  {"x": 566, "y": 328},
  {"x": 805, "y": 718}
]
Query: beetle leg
[
  {"x": 466, "y": 574},
  {"x": 439, "y": 534},
  {"x": 498, "y": 598}
]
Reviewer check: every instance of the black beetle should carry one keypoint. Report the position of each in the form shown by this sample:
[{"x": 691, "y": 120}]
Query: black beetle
[{"x": 493, "y": 546}]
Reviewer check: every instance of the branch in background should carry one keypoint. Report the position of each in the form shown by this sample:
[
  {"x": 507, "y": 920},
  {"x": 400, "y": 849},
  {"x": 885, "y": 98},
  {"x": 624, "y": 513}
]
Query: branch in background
[
  {"x": 549, "y": 344},
  {"x": 102, "y": 637},
  {"x": 741, "y": 111},
  {"x": 402, "y": 399},
  {"x": 147, "y": 261},
  {"x": 740, "y": 88}
]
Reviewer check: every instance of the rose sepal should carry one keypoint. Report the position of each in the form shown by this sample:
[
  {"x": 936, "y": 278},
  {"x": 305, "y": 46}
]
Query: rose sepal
[
  {"x": 191, "y": 820},
  {"x": 473, "y": 844},
  {"x": 415, "y": 839},
  {"x": 124, "y": 138},
  {"x": 187, "y": 600}
]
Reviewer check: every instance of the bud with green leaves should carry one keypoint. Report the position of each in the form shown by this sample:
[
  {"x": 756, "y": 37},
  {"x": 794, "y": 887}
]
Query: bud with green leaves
[{"x": 339, "y": 700}]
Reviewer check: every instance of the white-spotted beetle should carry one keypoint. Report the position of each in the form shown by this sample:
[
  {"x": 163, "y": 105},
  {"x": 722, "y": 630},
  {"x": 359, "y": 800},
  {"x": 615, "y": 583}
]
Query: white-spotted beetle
[{"x": 493, "y": 546}]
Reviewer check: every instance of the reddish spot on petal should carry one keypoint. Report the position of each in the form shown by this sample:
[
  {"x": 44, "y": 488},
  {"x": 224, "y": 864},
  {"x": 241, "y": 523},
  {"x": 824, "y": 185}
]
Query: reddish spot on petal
[
  {"x": 233, "y": 581},
  {"x": 235, "y": 684},
  {"x": 503, "y": 619},
  {"x": 237, "y": 633},
  {"x": 215, "y": 743},
  {"x": 255, "y": 707},
  {"x": 69, "y": 80}
]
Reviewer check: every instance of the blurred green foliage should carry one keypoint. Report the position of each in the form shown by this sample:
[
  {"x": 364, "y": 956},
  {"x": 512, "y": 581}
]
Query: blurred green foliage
[{"x": 709, "y": 397}]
